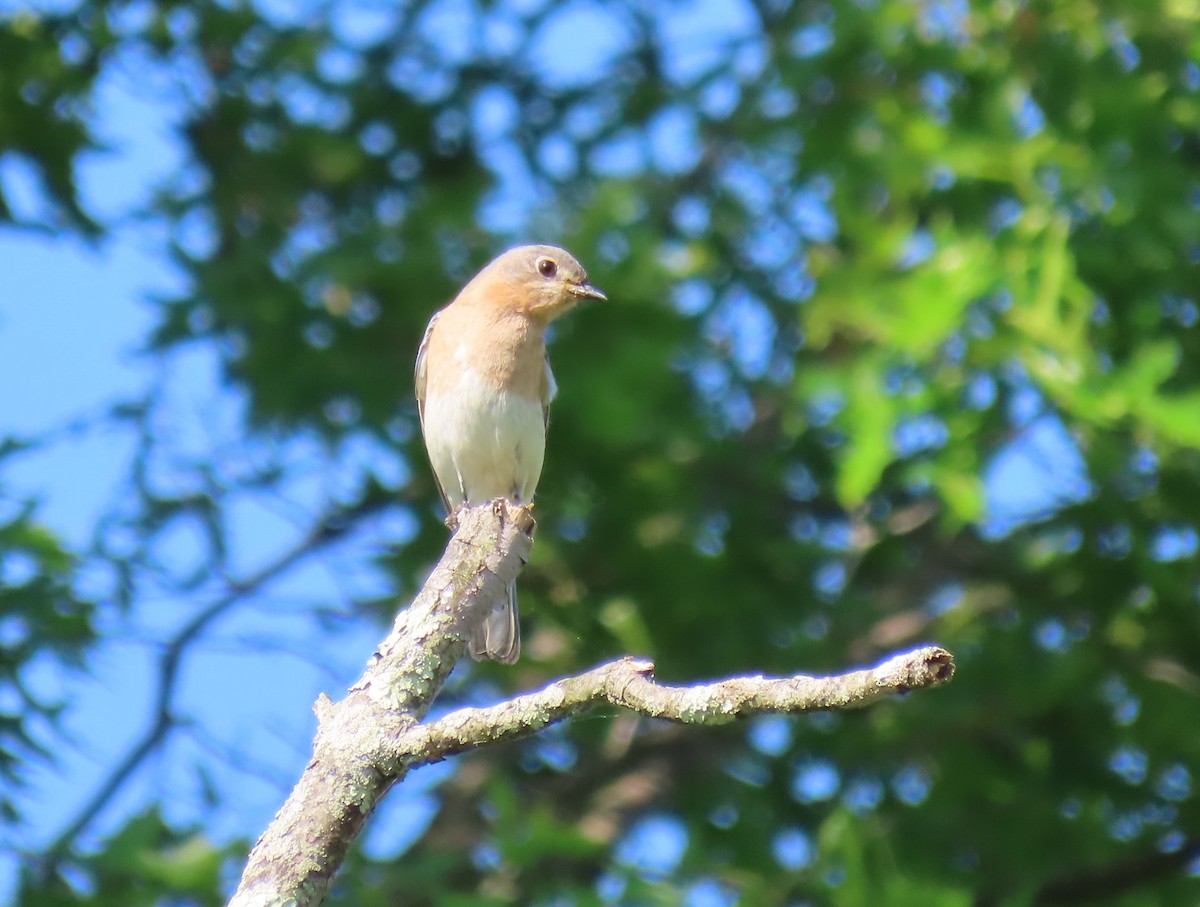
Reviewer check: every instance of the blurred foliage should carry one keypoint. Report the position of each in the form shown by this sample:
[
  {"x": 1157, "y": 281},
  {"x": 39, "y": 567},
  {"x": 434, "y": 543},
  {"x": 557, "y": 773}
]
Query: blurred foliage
[
  {"x": 43, "y": 622},
  {"x": 902, "y": 346}
]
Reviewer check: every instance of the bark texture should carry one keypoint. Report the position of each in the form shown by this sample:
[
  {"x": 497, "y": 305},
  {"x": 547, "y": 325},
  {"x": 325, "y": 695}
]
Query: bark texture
[
  {"x": 354, "y": 753},
  {"x": 371, "y": 738}
]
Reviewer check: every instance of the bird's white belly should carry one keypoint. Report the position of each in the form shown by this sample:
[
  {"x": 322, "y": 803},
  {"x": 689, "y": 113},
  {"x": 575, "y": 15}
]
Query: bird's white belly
[{"x": 485, "y": 444}]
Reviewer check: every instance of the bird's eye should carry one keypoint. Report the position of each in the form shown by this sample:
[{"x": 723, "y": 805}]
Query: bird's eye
[{"x": 546, "y": 267}]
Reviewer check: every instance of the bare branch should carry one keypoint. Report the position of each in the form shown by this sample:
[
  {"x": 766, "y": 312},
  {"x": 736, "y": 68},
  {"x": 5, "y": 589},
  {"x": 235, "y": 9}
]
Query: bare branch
[
  {"x": 372, "y": 738},
  {"x": 629, "y": 683},
  {"x": 307, "y": 840}
]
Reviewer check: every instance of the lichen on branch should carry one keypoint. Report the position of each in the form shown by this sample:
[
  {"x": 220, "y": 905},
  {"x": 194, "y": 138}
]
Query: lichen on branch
[{"x": 369, "y": 740}]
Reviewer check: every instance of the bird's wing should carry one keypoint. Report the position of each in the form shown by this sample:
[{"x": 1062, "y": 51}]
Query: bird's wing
[
  {"x": 549, "y": 390},
  {"x": 420, "y": 379},
  {"x": 419, "y": 374}
]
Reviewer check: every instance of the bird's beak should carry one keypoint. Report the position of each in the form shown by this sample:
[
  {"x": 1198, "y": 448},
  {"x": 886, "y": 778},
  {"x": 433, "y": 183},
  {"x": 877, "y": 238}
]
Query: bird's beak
[{"x": 586, "y": 291}]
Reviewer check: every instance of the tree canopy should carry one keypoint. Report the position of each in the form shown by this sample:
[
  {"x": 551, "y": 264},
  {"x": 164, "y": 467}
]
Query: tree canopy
[{"x": 901, "y": 346}]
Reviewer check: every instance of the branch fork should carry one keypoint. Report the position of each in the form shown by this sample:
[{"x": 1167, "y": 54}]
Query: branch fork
[{"x": 371, "y": 739}]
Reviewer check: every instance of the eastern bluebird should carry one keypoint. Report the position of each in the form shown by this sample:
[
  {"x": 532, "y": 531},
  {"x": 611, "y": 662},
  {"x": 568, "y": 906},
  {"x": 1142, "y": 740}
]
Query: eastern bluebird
[{"x": 484, "y": 388}]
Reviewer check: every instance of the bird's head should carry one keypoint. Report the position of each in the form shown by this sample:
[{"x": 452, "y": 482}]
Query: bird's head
[{"x": 542, "y": 281}]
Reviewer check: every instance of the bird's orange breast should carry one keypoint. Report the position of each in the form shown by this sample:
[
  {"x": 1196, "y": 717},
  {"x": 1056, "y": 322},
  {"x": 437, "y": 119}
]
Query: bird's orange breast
[{"x": 504, "y": 348}]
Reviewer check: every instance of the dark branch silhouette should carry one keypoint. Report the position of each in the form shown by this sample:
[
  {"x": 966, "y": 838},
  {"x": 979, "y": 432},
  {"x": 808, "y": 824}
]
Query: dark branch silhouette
[{"x": 328, "y": 530}]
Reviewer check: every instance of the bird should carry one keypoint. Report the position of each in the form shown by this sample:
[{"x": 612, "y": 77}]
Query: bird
[{"x": 484, "y": 386}]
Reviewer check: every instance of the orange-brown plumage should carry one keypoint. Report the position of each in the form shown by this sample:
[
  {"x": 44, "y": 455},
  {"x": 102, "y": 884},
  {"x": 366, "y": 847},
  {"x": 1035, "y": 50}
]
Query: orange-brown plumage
[
  {"x": 484, "y": 385},
  {"x": 507, "y": 347}
]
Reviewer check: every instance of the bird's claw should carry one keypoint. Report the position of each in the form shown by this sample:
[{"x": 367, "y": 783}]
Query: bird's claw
[{"x": 452, "y": 518}]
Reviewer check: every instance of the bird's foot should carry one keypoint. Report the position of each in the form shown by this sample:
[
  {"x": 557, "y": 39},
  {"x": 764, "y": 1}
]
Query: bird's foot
[
  {"x": 514, "y": 507},
  {"x": 452, "y": 518}
]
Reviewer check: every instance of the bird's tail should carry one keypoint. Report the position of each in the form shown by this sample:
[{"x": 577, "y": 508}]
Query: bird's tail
[{"x": 499, "y": 636}]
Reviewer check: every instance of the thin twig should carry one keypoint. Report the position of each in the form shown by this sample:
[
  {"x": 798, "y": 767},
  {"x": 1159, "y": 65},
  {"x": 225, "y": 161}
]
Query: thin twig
[
  {"x": 629, "y": 683},
  {"x": 331, "y": 528}
]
